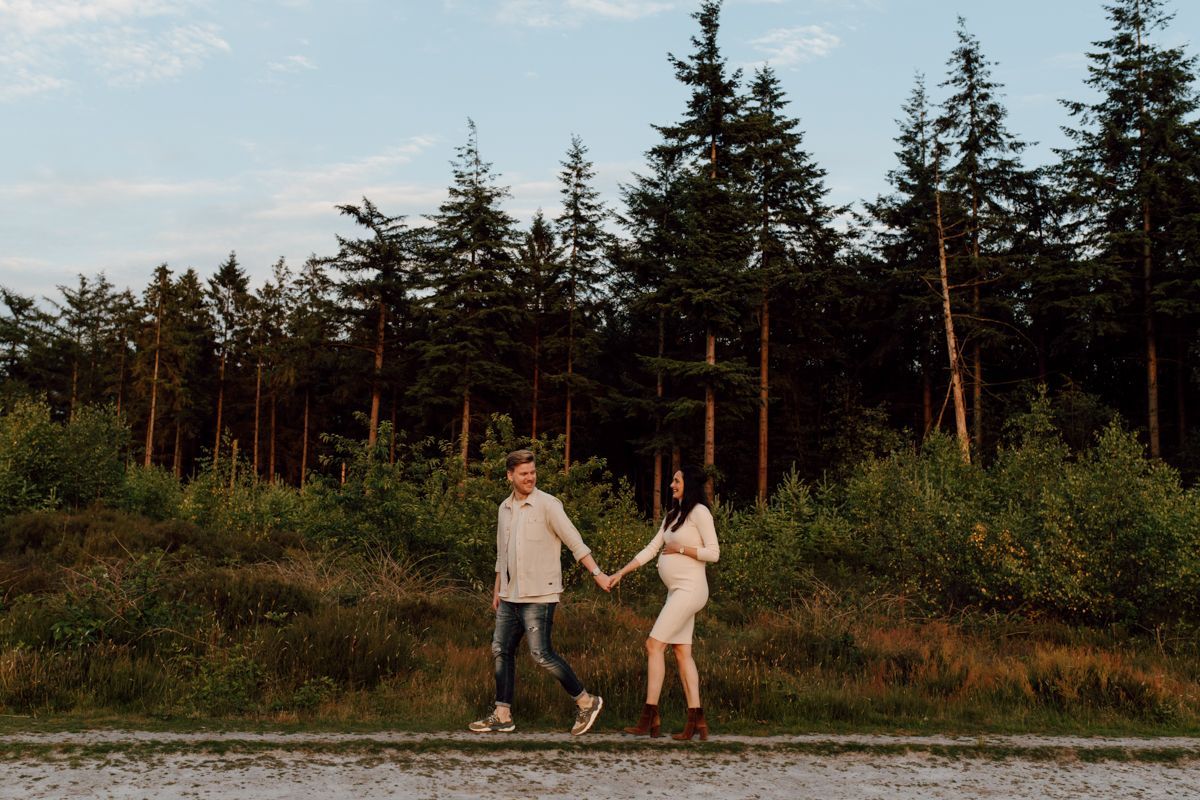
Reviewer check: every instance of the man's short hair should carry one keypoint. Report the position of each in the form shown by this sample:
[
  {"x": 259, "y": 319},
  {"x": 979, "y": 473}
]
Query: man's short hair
[{"x": 518, "y": 457}]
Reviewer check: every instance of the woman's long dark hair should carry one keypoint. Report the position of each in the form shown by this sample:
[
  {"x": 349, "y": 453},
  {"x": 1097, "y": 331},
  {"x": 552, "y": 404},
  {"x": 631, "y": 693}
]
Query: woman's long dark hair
[{"x": 693, "y": 495}]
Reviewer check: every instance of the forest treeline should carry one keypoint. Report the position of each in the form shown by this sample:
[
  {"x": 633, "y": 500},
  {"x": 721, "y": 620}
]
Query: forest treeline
[{"x": 726, "y": 312}]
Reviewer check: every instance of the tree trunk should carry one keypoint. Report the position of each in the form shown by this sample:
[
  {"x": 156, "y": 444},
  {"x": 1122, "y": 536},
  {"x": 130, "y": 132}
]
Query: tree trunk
[
  {"x": 376, "y": 382},
  {"x": 466, "y": 426},
  {"x": 220, "y": 409},
  {"x": 392, "y": 437},
  {"x": 304, "y": 445},
  {"x": 570, "y": 375},
  {"x": 271, "y": 445},
  {"x": 74, "y": 390},
  {"x": 1152, "y": 415},
  {"x": 1181, "y": 375},
  {"x": 177, "y": 461},
  {"x": 537, "y": 379},
  {"x": 960, "y": 410},
  {"x": 153, "y": 389},
  {"x": 659, "y": 389},
  {"x": 764, "y": 335},
  {"x": 121, "y": 380},
  {"x": 1152, "y": 421},
  {"x": 710, "y": 414},
  {"x": 926, "y": 401},
  {"x": 257, "y": 413}
]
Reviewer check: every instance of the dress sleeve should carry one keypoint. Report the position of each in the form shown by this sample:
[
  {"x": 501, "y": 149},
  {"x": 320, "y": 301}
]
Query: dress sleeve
[
  {"x": 710, "y": 550},
  {"x": 651, "y": 550}
]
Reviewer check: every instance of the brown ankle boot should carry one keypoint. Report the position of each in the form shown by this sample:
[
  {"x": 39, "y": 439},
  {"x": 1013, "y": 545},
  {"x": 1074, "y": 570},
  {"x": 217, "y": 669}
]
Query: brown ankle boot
[
  {"x": 649, "y": 723},
  {"x": 695, "y": 725}
]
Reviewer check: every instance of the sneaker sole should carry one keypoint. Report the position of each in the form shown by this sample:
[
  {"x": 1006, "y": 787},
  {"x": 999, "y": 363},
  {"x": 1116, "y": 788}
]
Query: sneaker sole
[
  {"x": 494, "y": 730},
  {"x": 591, "y": 721}
]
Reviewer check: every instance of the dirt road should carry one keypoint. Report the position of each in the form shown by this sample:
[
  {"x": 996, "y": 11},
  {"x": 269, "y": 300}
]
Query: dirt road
[{"x": 315, "y": 766}]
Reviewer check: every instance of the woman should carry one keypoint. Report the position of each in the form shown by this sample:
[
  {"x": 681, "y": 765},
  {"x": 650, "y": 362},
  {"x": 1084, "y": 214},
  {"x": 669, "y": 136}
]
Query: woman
[{"x": 688, "y": 540}]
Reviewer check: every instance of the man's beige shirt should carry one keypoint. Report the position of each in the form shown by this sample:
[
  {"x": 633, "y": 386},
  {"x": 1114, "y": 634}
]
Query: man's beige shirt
[{"x": 541, "y": 528}]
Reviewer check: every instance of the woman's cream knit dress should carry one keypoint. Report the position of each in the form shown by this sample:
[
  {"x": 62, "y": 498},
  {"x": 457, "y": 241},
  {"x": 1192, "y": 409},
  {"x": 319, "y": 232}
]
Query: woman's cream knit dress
[{"x": 687, "y": 587}]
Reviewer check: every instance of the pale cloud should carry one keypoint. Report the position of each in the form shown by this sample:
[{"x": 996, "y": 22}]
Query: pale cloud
[
  {"x": 313, "y": 192},
  {"x": 109, "y": 191},
  {"x": 128, "y": 42},
  {"x": 292, "y": 64},
  {"x": 784, "y": 47},
  {"x": 131, "y": 57},
  {"x": 572, "y": 13},
  {"x": 23, "y": 83}
]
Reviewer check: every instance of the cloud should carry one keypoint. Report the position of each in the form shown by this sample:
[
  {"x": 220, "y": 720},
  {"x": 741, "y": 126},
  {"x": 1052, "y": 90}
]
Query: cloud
[
  {"x": 131, "y": 57},
  {"x": 127, "y": 42},
  {"x": 785, "y": 47},
  {"x": 292, "y": 64},
  {"x": 573, "y": 13},
  {"x": 22, "y": 83}
]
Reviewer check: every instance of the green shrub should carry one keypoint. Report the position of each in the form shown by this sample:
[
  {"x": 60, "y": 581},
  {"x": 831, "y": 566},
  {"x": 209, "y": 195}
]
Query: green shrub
[
  {"x": 152, "y": 492},
  {"x": 244, "y": 597},
  {"x": 356, "y": 647}
]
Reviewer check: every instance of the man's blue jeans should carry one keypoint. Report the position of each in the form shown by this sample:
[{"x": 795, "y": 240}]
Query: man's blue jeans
[{"x": 535, "y": 621}]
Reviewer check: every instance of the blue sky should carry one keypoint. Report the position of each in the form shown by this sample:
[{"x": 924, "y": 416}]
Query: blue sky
[{"x": 137, "y": 132}]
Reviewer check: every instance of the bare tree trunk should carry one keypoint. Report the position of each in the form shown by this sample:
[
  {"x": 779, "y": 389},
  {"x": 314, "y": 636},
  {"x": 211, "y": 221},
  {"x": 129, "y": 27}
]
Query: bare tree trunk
[
  {"x": 537, "y": 379},
  {"x": 926, "y": 401},
  {"x": 154, "y": 389},
  {"x": 177, "y": 461},
  {"x": 960, "y": 411},
  {"x": 710, "y": 414},
  {"x": 1152, "y": 417},
  {"x": 271, "y": 446},
  {"x": 392, "y": 443},
  {"x": 220, "y": 409},
  {"x": 466, "y": 426},
  {"x": 570, "y": 374},
  {"x": 74, "y": 390},
  {"x": 764, "y": 386},
  {"x": 233, "y": 465},
  {"x": 121, "y": 380},
  {"x": 659, "y": 390},
  {"x": 304, "y": 445},
  {"x": 257, "y": 413},
  {"x": 376, "y": 387},
  {"x": 1181, "y": 374}
]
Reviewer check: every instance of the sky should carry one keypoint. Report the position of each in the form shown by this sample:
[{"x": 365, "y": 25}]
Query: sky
[{"x": 140, "y": 132}]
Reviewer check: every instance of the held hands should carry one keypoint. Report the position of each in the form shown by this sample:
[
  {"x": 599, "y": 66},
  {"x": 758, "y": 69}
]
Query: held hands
[
  {"x": 603, "y": 581},
  {"x": 613, "y": 580}
]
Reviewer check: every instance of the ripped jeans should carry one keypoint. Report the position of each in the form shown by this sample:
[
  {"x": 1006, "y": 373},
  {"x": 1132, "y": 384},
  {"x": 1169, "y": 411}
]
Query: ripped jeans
[{"x": 534, "y": 620}]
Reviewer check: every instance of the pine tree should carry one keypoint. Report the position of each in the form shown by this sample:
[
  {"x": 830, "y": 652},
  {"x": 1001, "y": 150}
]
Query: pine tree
[
  {"x": 539, "y": 263},
  {"x": 380, "y": 272},
  {"x": 982, "y": 176},
  {"x": 708, "y": 281},
  {"x": 585, "y": 276},
  {"x": 794, "y": 242},
  {"x": 906, "y": 244},
  {"x": 229, "y": 298},
  {"x": 1133, "y": 172},
  {"x": 475, "y": 313}
]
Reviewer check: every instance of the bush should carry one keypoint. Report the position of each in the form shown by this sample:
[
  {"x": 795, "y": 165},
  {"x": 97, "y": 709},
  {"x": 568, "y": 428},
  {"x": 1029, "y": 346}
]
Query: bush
[
  {"x": 356, "y": 647},
  {"x": 152, "y": 492},
  {"x": 44, "y": 464}
]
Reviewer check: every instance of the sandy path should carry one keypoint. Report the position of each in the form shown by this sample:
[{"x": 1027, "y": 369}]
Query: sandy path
[{"x": 162, "y": 766}]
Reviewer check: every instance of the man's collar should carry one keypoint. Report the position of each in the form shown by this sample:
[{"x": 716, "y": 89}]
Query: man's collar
[{"x": 512, "y": 498}]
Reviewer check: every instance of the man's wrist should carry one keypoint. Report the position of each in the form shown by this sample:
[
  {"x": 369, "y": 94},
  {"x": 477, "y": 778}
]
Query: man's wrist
[{"x": 596, "y": 570}]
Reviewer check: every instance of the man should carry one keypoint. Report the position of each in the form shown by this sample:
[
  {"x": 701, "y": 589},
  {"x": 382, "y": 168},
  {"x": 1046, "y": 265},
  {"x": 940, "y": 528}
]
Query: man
[{"x": 531, "y": 529}]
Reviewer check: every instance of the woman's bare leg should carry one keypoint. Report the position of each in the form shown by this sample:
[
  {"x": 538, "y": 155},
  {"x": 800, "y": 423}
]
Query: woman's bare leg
[
  {"x": 656, "y": 669},
  {"x": 689, "y": 676}
]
